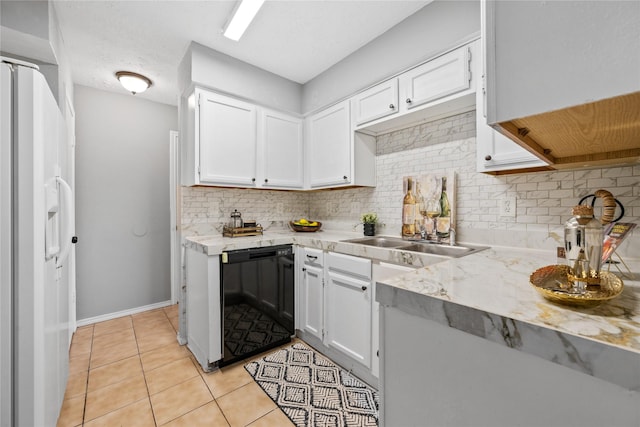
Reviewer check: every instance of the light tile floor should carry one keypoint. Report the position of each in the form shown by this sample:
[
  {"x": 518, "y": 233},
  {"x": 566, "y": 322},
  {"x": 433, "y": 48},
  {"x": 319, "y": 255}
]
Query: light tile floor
[{"x": 131, "y": 371}]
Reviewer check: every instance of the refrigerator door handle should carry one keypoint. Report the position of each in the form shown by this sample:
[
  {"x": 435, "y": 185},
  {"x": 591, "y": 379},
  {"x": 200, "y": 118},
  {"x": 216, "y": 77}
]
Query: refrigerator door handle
[{"x": 69, "y": 221}]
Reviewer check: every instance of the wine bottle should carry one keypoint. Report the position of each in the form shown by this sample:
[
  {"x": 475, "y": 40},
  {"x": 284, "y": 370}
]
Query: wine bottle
[
  {"x": 443, "y": 224},
  {"x": 421, "y": 212},
  {"x": 409, "y": 211}
]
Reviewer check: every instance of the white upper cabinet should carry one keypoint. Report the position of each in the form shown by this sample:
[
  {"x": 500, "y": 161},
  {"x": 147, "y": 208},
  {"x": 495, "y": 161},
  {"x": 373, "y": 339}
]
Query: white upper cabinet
[
  {"x": 280, "y": 140},
  {"x": 336, "y": 156},
  {"x": 440, "y": 87},
  {"x": 497, "y": 154},
  {"x": 329, "y": 147},
  {"x": 562, "y": 79},
  {"x": 376, "y": 102},
  {"x": 226, "y": 131},
  {"x": 442, "y": 76}
]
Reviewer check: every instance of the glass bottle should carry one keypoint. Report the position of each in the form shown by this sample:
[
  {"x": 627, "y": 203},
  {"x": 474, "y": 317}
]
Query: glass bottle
[
  {"x": 443, "y": 224},
  {"x": 421, "y": 212},
  {"x": 583, "y": 235},
  {"x": 409, "y": 211}
]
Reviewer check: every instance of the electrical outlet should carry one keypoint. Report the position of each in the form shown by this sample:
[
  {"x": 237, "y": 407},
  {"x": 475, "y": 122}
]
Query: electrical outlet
[
  {"x": 280, "y": 208},
  {"x": 332, "y": 208},
  {"x": 508, "y": 206},
  {"x": 355, "y": 207}
]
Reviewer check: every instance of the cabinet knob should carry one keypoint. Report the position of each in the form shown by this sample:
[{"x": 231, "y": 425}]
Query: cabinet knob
[
  {"x": 391, "y": 106},
  {"x": 408, "y": 101},
  {"x": 253, "y": 180},
  {"x": 266, "y": 180},
  {"x": 344, "y": 177},
  {"x": 304, "y": 269},
  {"x": 364, "y": 288},
  {"x": 487, "y": 157}
]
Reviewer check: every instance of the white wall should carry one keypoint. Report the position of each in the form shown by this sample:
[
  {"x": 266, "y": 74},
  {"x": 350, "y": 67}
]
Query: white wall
[
  {"x": 122, "y": 199},
  {"x": 433, "y": 29},
  {"x": 208, "y": 68}
]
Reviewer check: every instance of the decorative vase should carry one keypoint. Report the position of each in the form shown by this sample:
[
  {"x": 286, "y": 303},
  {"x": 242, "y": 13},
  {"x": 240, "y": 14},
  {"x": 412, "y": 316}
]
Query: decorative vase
[{"x": 369, "y": 229}]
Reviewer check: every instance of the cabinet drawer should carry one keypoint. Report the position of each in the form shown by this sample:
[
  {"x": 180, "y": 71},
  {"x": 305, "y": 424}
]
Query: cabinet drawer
[
  {"x": 376, "y": 102},
  {"x": 313, "y": 257},
  {"x": 350, "y": 265},
  {"x": 438, "y": 78}
]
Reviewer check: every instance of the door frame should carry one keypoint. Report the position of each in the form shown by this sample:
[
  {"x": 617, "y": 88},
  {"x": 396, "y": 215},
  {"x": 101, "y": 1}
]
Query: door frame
[{"x": 174, "y": 206}]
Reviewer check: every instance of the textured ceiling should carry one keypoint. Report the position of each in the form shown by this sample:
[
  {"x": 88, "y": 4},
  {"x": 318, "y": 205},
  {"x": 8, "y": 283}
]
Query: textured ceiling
[{"x": 294, "y": 39}]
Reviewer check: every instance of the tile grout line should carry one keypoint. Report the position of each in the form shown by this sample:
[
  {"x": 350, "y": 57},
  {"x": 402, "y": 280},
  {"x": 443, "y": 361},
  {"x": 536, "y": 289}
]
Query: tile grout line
[
  {"x": 86, "y": 389},
  {"x": 144, "y": 376}
]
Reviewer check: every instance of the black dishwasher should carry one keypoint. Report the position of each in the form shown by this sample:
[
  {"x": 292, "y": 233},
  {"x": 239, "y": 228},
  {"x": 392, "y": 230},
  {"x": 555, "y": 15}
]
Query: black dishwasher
[{"x": 257, "y": 294}]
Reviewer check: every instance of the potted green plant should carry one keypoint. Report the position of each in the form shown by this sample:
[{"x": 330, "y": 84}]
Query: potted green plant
[{"x": 369, "y": 220}]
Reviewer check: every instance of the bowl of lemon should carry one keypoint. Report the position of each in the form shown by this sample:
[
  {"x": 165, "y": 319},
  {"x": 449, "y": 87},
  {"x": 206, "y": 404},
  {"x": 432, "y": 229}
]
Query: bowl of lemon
[{"x": 304, "y": 224}]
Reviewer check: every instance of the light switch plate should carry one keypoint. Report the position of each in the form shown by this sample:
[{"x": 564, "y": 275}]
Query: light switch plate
[{"x": 508, "y": 206}]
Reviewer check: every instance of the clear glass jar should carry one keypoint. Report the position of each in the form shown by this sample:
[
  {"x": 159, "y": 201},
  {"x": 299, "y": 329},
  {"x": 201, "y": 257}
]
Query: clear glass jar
[{"x": 583, "y": 235}]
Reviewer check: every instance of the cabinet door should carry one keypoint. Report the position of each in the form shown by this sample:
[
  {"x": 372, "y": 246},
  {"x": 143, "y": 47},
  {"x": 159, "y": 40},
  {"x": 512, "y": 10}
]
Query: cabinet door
[
  {"x": 438, "y": 78},
  {"x": 495, "y": 152},
  {"x": 312, "y": 300},
  {"x": 381, "y": 271},
  {"x": 329, "y": 147},
  {"x": 281, "y": 147},
  {"x": 286, "y": 292},
  {"x": 227, "y": 138},
  {"x": 376, "y": 102},
  {"x": 348, "y": 316}
]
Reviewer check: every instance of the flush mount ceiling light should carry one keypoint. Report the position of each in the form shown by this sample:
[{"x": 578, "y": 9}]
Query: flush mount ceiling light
[
  {"x": 241, "y": 17},
  {"x": 133, "y": 82}
]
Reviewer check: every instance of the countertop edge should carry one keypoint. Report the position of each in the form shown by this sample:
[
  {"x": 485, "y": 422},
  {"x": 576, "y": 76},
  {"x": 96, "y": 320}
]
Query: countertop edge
[{"x": 597, "y": 359}]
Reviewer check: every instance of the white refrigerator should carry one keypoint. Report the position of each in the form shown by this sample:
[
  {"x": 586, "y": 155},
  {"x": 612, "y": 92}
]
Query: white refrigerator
[{"x": 36, "y": 234}]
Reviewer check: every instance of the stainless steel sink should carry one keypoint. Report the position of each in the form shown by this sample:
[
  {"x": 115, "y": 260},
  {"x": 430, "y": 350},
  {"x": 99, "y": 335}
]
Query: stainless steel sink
[
  {"x": 418, "y": 246},
  {"x": 381, "y": 242},
  {"x": 443, "y": 250}
]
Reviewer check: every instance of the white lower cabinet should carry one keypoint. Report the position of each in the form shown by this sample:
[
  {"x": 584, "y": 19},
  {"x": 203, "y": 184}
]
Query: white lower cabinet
[
  {"x": 311, "y": 292},
  {"x": 348, "y": 310},
  {"x": 334, "y": 311},
  {"x": 381, "y": 271}
]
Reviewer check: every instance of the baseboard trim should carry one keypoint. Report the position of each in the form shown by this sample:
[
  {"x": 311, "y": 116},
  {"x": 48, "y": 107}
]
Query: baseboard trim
[{"x": 128, "y": 312}]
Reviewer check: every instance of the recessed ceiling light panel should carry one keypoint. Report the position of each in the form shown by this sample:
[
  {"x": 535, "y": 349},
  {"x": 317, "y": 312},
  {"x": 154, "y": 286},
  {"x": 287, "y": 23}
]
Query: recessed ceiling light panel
[{"x": 242, "y": 16}]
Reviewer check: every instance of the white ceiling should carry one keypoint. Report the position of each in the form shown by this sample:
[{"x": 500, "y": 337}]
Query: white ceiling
[{"x": 294, "y": 39}]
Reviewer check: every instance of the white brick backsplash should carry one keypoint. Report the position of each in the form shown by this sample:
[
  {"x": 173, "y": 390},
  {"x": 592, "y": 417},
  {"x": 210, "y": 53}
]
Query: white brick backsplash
[
  {"x": 617, "y": 172},
  {"x": 544, "y": 199},
  {"x": 632, "y": 181},
  {"x": 598, "y": 183},
  {"x": 588, "y": 174}
]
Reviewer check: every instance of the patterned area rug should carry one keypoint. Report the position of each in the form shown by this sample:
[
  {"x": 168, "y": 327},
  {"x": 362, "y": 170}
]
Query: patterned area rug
[
  {"x": 313, "y": 391},
  {"x": 247, "y": 329}
]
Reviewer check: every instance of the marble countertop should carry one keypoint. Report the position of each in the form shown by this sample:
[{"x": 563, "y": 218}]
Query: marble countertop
[
  {"x": 326, "y": 240},
  {"x": 488, "y": 294}
]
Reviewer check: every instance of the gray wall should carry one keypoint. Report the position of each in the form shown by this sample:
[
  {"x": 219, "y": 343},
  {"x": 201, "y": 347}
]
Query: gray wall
[
  {"x": 209, "y": 68},
  {"x": 122, "y": 182},
  {"x": 434, "y": 28}
]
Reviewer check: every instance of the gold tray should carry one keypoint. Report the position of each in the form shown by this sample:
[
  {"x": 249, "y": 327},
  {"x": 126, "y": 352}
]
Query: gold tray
[{"x": 552, "y": 283}]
